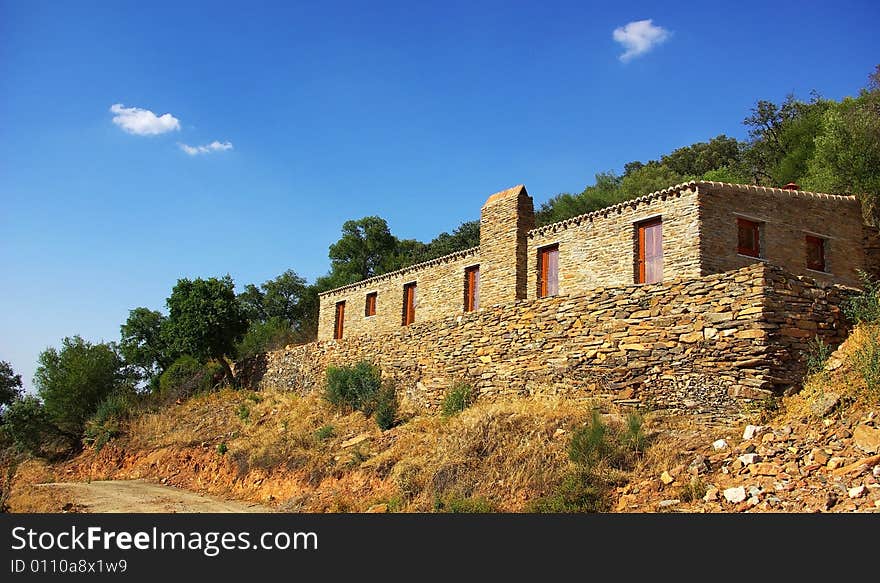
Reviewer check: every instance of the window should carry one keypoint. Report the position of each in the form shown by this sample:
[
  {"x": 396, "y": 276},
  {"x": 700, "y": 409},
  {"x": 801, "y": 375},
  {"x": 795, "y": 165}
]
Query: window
[
  {"x": 548, "y": 271},
  {"x": 815, "y": 253},
  {"x": 409, "y": 303},
  {"x": 749, "y": 238},
  {"x": 340, "y": 318},
  {"x": 649, "y": 263},
  {"x": 472, "y": 288},
  {"x": 370, "y": 307}
]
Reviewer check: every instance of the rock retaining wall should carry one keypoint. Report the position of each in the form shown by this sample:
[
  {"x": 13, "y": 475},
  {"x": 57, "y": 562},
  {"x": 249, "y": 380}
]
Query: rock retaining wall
[{"x": 693, "y": 344}]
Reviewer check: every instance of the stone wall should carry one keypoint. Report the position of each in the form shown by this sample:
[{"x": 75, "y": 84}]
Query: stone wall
[
  {"x": 505, "y": 221},
  {"x": 439, "y": 293},
  {"x": 692, "y": 343},
  {"x": 600, "y": 248},
  {"x": 785, "y": 216}
]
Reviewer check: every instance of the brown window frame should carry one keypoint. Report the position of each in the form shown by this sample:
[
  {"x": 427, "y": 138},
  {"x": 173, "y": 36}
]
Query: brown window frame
[
  {"x": 339, "y": 321},
  {"x": 755, "y": 227},
  {"x": 822, "y": 265},
  {"x": 370, "y": 304},
  {"x": 472, "y": 288},
  {"x": 409, "y": 303},
  {"x": 543, "y": 270}
]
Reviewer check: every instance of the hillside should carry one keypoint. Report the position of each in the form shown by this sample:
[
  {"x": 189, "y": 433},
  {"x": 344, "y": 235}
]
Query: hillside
[{"x": 814, "y": 451}]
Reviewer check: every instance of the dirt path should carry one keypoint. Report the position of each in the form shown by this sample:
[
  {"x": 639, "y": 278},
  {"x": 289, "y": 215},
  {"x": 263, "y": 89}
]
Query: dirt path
[{"x": 142, "y": 496}]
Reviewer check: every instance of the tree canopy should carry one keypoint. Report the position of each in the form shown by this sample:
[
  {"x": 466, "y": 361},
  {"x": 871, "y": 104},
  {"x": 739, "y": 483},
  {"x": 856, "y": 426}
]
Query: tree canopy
[
  {"x": 72, "y": 381},
  {"x": 205, "y": 319}
]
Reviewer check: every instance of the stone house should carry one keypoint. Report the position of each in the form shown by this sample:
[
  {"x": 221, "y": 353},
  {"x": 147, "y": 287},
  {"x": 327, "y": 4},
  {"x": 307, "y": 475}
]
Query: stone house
[
  {"x": 687, "y": 231},
  {"x": 688, "y": 298}
]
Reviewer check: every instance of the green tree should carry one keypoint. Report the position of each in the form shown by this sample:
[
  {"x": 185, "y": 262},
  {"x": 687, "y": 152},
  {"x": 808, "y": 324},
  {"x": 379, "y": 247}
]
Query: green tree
[
  {"x": 847, "y": 153},
  {"x": 141, "y": 343},
  {"x": 73, "y": 381},
  {"x": 702, "y": 157},
  {"x": 27, "y": 424},
  {"x": 366, "y": 248},
  {"x": 649, "y": 178},
  {"x": 783, "y": 138},
  {"x": 262, "y": 337},
  {"x": 10, "y": 384},
  {"x": 605, "y": 192},
  {"x": 205, "y": 320}
]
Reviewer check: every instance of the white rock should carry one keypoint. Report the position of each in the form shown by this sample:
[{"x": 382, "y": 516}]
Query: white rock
[
  {"x": 876, "y": 471},
  {"x": 720, "y": 444},
  {"x": 749, "y": 458},
  {"x": 669, "y": 503},
  {"x": 735, "y": 495},
  {"x": 856, "y": 492},
  {"x": 751, "y": 431}
]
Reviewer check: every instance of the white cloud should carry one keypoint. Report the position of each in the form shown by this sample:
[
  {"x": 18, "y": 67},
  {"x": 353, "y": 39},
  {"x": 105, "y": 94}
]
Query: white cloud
[
  {"x": 639, "y": 37},
  {"x": 214, "y": 146},
  {"x": 143, "y": 122}
]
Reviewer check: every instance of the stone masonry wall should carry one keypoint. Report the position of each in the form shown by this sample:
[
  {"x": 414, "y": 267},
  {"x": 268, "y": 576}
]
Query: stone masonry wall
[
  {"x": 691, "y": 344},
  {"x": 505, "y": 221},
  {"x": 600, "y": 248},
  {"x": 439, "y": 293},
  {"x": 786, "y": 217}
]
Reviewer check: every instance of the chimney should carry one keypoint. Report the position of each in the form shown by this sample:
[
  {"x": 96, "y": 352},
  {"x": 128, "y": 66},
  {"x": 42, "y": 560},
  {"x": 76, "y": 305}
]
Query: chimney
[{"x": 791, "y": 186}]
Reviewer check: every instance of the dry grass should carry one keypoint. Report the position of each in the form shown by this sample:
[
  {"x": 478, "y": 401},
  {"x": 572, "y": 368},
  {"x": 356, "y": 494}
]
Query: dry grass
[{"x": 504, "y": 452}]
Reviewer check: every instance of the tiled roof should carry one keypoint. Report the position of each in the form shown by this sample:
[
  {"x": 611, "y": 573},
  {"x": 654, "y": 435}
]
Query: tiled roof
[
  {"x": 694, "y": 185},
  {"x": 392, "y": 274}
]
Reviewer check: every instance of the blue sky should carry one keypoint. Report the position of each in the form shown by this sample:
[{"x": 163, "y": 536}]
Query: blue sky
[{"x": 321, "y": 112}]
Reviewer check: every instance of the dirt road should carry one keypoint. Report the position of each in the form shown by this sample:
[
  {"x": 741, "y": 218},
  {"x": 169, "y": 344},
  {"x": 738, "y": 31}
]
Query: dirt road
[{"x": 141, "y": 496}]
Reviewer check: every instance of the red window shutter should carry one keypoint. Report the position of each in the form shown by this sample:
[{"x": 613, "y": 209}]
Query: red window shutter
[
  {"x": 650, "y": 252},
  {"x": 340, "y": 320}
]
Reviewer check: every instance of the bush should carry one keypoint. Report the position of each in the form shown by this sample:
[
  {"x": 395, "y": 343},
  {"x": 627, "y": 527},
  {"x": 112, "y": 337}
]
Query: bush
[
  {"x": 817, "y": 354},
  {"x": 865, "y": 306},
  {"x": 457, "y": 399},
  {"x": 187, "y": 376},
  {"x": 264, "y": 337},
  {"x": 589, "y": 444},
  {"x": 74, "y": 380},
  {"x": 867, "y": 360},
  {"x": 222, "y": 448},
  {"x": 633, "y": 437},
  {"x": 455, "y": 503},
  {"x": 579, "y": 491},
  {"x": 354, "y": 387},
  {"x": 244, "y": 412},
  {"x": 385, "y": 412},
  {"x": 27, "y": 424},
  {"x": 106, "y": 423},
  {"x": 325, "y": 432}
]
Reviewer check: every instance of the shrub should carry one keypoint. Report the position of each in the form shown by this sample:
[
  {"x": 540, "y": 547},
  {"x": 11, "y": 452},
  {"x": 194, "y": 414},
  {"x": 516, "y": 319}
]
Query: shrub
[
  {"x": 353, "y": 387},
  {"x": 867, "y": 360},
  {"x": 27, "y": 424},
  {"x": 266, "y": 336},
  {"x": 457, "y": 399},
  {"x": 187, "y": 376},
  {"x": 222, "y": 448},
  {"x": 106, "y": 423},
  {"x": 455, "y": 503},
  {"x": 865, "y": 306},
  {"x": 633, "y": 437},
  {"x": 385, "y": 410},
  {"x": 693, "y": 490},
  {"x": 325, "y": 432},
  {"x": 244, "y": 412},
  {"x": 589, "y": 444},
  {"x": 579, "y": 491},
  {"x": 817, "y": 355}
]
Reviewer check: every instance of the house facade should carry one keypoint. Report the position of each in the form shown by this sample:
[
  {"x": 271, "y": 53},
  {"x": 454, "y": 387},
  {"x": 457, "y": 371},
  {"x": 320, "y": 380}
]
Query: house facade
[{"x": 687, "y": 231}]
